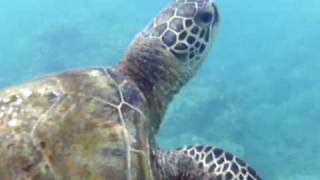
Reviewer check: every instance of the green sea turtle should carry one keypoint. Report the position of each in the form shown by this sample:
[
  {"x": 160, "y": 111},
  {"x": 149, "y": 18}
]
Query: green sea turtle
[{"x": 100, "y": 123}]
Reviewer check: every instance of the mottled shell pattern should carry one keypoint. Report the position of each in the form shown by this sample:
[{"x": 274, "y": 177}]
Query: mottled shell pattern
[{"x": 84, "y": 124}]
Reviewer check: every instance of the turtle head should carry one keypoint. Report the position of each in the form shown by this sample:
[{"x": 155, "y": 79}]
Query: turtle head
[
  {"x": 166, "y": 54},
  {"x": 186, "y": 29}
]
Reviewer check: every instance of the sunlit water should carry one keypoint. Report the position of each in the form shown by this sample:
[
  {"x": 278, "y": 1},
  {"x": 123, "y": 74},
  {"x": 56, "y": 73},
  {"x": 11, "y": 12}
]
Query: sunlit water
[{"x": 257, "y": 95}]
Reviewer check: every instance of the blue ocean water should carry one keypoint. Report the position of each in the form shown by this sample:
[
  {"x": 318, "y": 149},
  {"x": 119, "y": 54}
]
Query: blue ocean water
[{"x": 257, "y": 94}]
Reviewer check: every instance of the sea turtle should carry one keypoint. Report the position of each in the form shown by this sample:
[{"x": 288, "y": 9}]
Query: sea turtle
[{"x": 100, "y": 123}]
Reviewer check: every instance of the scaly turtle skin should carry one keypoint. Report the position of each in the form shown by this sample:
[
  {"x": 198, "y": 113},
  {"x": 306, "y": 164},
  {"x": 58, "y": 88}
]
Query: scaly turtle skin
[{"x": 100, "y": 123}]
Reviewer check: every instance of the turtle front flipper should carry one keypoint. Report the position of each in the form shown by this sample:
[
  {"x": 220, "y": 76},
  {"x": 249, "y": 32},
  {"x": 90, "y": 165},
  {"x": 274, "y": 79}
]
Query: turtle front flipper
[{"x": 203, "y": 163}]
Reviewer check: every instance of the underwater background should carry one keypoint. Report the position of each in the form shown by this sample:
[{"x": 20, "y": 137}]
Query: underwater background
[{"x": 257, "y": 95}]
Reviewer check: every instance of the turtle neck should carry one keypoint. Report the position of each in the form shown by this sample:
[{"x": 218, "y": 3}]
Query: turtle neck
[{"x": 154, "y": 71}]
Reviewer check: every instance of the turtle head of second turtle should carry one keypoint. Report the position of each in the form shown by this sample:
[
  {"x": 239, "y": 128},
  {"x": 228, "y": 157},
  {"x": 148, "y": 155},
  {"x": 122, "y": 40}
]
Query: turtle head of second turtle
[{"x": 185, "y": 29}]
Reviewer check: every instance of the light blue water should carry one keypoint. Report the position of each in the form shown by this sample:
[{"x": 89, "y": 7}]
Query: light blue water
[{"x": 257, "y": 95}]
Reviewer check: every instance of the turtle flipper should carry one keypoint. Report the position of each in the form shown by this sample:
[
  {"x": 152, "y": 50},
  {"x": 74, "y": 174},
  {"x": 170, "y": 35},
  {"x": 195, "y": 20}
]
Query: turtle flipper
[{"x": 205, "y": 163}]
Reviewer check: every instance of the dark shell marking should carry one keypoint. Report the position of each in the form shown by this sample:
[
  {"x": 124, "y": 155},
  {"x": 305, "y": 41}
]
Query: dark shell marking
[
  {"x": 169, "y": 38},
  {"x": 219, "y": 164},
  {"x": 188, "y": 22}
]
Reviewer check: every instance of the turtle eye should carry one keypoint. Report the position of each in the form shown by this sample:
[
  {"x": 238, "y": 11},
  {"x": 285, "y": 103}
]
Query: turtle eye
[{"x": 204, "y": 17}]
